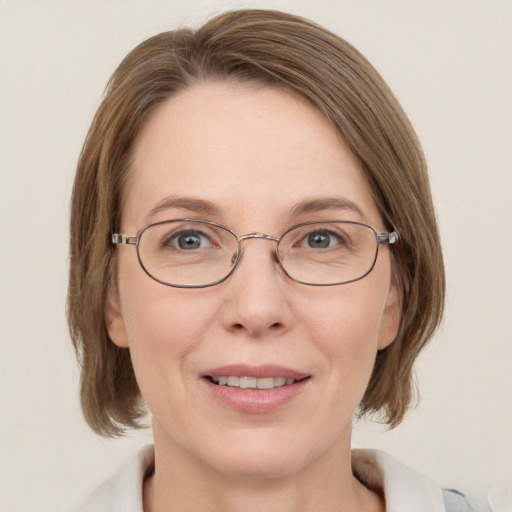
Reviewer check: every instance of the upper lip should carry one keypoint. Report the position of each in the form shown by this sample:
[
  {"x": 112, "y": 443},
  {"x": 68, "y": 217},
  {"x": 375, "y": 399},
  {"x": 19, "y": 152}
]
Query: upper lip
[{"x": 258, "y": 372}]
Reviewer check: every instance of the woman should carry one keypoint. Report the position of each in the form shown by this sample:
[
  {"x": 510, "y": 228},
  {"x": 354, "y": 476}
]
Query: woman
[{"x": 255, "y": 258}]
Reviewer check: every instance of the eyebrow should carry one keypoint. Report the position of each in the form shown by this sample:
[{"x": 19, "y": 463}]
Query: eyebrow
[
  {"x": 204, "y": 207},
  {"x": 326, "y": 203},
  {"x": 184, "y": 203}
]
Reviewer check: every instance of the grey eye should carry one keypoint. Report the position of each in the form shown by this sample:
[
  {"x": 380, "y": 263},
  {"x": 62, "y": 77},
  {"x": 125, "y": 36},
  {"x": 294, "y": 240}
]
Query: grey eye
[
  {"x": 189, "y": 240},
  {"x": 321, "y": 239}
]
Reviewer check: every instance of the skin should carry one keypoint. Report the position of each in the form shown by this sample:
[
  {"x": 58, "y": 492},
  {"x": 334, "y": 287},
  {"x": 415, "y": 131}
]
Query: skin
[{"x": 254, "y": 153}]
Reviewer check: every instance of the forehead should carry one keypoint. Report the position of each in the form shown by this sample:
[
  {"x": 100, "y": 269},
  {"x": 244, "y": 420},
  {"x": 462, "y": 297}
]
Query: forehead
[{"x": 251, "y": 152}]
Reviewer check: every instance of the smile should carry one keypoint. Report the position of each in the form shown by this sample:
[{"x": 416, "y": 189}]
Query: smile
[
  {"x": 253, "y": 382},
  {"x": 255, "y": 389}
]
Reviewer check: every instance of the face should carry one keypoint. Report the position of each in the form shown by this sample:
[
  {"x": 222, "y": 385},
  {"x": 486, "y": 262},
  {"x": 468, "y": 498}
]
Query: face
[{"x": 249, "y": 158}]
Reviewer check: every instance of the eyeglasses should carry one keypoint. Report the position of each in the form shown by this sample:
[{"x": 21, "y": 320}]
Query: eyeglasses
[{"x": 191, "y": 253}]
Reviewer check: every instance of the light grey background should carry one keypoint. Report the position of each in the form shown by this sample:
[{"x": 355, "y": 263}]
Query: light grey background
[{"x": 448, "y": 61}]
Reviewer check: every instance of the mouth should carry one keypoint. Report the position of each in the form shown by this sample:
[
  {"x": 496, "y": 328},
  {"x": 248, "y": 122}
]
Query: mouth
[
  {"x": 255, "y": 389},
  {"x": 233, "y": 381}
]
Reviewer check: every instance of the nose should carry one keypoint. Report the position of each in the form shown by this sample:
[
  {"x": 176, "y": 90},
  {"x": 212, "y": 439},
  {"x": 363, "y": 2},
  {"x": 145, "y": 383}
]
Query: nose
[{"x": 257, "y": 302}]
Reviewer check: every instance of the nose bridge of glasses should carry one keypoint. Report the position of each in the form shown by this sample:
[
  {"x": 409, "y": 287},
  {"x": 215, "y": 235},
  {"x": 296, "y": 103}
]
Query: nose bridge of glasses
[
  {"x": 249, "y": 236},
  {"x": 252, "y": 236}
]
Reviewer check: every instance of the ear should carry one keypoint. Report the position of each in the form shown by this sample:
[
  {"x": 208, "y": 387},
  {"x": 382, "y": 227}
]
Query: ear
[
  {"x": 391, "y": 316},
  {"x": 114, "y": 319}
]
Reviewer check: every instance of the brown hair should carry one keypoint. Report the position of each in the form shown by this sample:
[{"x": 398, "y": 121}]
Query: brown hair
[{"x": 278, "y": 50}]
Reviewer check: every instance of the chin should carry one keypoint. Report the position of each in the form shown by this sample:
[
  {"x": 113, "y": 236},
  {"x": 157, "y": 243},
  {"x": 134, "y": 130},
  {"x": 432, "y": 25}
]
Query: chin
[{"x": 267, "y": 455}]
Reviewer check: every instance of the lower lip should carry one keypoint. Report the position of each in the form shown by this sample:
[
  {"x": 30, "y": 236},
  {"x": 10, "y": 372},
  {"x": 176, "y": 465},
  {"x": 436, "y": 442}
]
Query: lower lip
[{"x": 256, "y": 400}]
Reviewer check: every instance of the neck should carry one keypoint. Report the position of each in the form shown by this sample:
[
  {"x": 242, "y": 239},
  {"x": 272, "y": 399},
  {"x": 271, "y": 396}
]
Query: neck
[{"x": 182, "y": 483}]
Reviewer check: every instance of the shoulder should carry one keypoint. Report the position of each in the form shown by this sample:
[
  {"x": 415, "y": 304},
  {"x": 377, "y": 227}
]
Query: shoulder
[{"x": 123, "y": 491}]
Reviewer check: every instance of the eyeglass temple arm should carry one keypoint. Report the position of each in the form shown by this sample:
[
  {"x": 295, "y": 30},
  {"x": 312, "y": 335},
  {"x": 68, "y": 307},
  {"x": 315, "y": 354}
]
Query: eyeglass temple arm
[
  {"x": 122, "y": 239},
  {"x": 388, "y": 238}
]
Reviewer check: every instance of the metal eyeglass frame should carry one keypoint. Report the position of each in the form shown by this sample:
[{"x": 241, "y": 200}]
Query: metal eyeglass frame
[{"x": 380, "y": 238}]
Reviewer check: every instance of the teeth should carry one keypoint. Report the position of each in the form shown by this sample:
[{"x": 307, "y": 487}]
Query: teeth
[
  {"x": 233, "y": 381},
  {"x": 247, "y": 382},
  {"x": 252, "y": 382},
  {"x": 267, "y": 383}
]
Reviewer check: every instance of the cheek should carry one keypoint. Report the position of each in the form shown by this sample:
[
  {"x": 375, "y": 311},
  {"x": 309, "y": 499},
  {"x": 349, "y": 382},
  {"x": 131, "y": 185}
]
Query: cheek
[
  {"x": 164, "y": 335},
  {"x": 165, "y": 323},
  {"x": 157, "y": 317},
  {"x": 163, "y": 329},
  {"x": 347, "y": 320},
  {"x": 345, "y": 327}
]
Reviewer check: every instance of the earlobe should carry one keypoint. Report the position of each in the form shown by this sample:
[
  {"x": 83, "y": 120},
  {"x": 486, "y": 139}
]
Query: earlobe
[
  {"x": 391, "y": 318},
  {"x": 114, "y": 320}
]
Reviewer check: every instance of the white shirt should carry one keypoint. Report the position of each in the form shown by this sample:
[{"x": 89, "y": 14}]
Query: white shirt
[{"x": 404, "y": 489}]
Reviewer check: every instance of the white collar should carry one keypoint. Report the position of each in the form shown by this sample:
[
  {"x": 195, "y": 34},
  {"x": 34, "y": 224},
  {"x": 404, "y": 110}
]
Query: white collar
[
  {"x": 123, "y": 491},
  {"x": 403, "y": 488}
]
